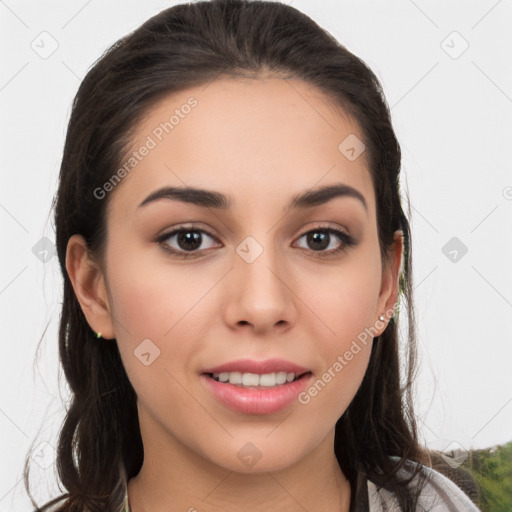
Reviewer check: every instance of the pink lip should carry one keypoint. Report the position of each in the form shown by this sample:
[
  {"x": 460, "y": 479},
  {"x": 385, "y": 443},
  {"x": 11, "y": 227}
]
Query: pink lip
[
  {"x": 256, "y": 400},
  {"x": 260, "y": 367}
]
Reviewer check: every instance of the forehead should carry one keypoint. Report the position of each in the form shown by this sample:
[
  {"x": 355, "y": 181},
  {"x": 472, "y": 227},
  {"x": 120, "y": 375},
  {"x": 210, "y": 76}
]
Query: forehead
[{"x": 249, "y": 138}]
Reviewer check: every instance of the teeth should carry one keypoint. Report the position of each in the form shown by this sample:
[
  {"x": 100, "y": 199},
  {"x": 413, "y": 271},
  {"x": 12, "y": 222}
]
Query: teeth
[
  {"x": 250, "y": 379},
  {"x": 254, "y": 379}
]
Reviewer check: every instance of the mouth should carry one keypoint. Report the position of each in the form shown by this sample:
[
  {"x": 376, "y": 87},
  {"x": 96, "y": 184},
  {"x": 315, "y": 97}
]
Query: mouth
[
  {"x": 256, "y": 393},
  {"x": 255, "y": 380}
]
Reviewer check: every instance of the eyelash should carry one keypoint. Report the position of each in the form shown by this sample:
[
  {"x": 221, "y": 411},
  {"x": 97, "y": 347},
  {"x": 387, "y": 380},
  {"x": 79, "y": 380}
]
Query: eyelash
[{"x": 347, "y": 241}]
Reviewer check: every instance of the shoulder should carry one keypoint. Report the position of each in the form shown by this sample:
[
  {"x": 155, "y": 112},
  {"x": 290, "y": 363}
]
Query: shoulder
[{"x": 439, "y": 493}]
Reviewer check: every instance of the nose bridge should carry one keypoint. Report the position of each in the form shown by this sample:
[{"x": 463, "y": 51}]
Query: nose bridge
[
  {"x": 258, "y": 263},
  {"x": 260, "y": 295}
]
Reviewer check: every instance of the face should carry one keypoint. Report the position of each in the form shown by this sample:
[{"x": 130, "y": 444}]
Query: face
[{"x": 258, "y": 278}]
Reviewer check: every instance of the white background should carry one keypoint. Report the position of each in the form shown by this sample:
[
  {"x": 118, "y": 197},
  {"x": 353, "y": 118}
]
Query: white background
[{"x": 452, "y": 117}]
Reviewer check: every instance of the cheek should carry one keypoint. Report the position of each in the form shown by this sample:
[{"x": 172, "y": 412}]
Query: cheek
[
  {"x": 160, "y": 319},
  {"x": 347, "y": 300},
  {"x": 343, "y": 358},
  {"x": 332, "y": 391},
  {"x": 151, "y": 298},
  {"x": 347, "y": 303}
]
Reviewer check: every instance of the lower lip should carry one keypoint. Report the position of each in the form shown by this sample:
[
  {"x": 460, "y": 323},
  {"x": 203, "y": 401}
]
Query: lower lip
[{"x": 256, "y": 400}]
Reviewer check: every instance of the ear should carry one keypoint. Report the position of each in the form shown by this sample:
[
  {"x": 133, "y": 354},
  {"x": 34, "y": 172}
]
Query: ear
[
  {"x": 390, "y": 285},
  {"x": 89, "y": 285}
]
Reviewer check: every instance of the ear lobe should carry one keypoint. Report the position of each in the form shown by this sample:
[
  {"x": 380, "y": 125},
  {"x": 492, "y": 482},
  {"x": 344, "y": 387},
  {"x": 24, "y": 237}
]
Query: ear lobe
[{"x": 88, "y": 283}]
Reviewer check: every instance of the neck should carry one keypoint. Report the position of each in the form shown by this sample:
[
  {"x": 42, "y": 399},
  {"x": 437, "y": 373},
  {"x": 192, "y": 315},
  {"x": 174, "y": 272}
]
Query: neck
[{"x": 174, "y": 476}]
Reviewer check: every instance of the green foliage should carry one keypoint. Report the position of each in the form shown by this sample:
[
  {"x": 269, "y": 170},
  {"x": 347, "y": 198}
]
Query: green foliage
[{"x": 492, "y": 470}]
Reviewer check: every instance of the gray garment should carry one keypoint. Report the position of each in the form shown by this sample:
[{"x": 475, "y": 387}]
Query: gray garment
[{"x": 440, "y": 494}]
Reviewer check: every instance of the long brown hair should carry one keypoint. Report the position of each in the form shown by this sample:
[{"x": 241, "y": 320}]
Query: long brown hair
[{"x": 100, "y": 446}]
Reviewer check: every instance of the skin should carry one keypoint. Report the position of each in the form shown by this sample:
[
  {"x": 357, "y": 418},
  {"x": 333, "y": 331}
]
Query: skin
[{"x": 261, "y": 141}]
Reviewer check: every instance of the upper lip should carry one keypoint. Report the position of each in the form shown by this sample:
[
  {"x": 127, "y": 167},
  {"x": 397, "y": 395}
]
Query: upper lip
[{"x": 260, "y": 367}]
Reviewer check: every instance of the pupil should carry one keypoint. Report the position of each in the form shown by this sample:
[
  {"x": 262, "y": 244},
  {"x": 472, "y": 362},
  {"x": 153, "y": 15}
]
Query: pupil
[
  {"x": 319, "y": 237},
  {"x": 189, "y": 237}
]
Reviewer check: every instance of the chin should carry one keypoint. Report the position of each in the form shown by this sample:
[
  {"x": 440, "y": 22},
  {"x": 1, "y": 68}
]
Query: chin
[{"x": 260, "y": 455}]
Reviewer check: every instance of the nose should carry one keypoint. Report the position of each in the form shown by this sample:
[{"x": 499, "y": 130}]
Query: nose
[{"x": 260, "y": 294}]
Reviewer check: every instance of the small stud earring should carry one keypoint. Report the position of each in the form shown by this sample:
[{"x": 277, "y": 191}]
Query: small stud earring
[
  {"x": 381, "y": 318},
  {"x": 98, "y": 335}
]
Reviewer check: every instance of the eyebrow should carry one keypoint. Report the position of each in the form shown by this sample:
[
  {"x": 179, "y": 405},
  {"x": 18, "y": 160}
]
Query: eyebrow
[{"x": 212, "y": 199}]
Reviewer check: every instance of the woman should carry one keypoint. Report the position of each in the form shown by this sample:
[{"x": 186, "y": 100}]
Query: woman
[{"x": 233, "y": 246}]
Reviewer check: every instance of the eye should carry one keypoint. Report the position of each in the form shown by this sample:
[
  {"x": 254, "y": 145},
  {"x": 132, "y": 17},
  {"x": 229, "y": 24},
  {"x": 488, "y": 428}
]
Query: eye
[
  {"x": 321, "y": 238},
  {"x": 188, "y": 241}
]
